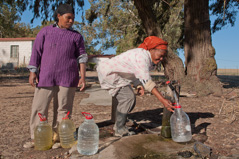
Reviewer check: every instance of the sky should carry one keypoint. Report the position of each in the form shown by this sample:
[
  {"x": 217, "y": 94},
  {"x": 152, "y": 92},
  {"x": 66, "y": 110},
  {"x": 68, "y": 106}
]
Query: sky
[{"x": 225, "y": 41}]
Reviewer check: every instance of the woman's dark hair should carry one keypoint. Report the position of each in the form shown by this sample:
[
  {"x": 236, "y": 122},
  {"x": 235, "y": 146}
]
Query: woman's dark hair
[{"x": 62, "y": 9}]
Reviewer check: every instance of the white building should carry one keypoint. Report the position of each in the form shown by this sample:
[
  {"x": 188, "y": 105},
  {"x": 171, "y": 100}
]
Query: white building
[{"x": 15, "y": 52}]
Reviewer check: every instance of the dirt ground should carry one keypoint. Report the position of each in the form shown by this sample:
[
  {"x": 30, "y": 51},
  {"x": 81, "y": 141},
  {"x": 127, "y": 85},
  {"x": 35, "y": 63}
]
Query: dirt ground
[{"x": 214, "y": 119}]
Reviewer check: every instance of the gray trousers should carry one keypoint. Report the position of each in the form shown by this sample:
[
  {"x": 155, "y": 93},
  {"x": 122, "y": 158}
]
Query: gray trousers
[
  {"x": 126, "y": 99},
  {"x": 63, "y": 102}
]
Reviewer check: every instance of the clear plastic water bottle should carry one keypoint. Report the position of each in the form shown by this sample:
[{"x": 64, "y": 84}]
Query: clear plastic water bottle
[
  {"x": 88, "y": 136},
  {"x": 67, "y": 132},
  {"x": 42, "y": 135},
  {"x": 180, "y": 125}
]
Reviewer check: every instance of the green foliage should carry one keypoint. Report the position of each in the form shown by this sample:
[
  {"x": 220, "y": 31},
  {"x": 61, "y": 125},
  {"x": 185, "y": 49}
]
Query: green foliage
[
  {"x": 112, "y": 23},
  {"x": 225, "y": 11},
  {"x": 89, "y": 35},
  {"x": 170, "y": 18},
  {"x": 118, "y": 25},
  {"x": 43, "y": 9},
  {"x": 91, "y": 65},
  {"x": 8, "y": 16},
  {"x": 10, "y": 27}
]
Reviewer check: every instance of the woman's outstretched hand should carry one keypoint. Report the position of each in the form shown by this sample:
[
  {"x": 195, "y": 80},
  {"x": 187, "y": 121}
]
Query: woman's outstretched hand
[{"x": 168, "y": 105}]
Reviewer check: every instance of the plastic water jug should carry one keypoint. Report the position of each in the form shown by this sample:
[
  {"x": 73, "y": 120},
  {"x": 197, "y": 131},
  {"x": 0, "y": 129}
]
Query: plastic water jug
[
  {"x": 180, "y": 125},
  {"x": 67, "y": 132},
  {"x": 88, "y": 136},
  {"x": 43, "y": 135}
]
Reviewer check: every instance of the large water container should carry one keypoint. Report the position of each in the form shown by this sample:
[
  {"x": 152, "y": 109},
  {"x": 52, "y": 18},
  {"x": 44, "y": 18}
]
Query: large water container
[
  {"x": 180, "y": 125},
  {"x": 88, "y": 136},
  {"x": 42, "y": 135},
  {"x": 67, "y": 132}
]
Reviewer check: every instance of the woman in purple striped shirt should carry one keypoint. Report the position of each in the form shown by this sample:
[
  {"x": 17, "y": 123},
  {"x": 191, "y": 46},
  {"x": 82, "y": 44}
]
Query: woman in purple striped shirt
[{"x": 57, "y": 57}]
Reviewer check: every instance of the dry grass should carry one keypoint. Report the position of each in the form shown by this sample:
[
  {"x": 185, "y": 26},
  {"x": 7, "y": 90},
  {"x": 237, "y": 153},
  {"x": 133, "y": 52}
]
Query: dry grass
[{"x": 234, "y": 72}]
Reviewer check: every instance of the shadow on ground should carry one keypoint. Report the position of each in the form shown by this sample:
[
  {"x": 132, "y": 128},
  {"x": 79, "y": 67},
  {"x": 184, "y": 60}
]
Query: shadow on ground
[
  {"x": 152, "y": 120},
  {"x": 229, "y": 81}
]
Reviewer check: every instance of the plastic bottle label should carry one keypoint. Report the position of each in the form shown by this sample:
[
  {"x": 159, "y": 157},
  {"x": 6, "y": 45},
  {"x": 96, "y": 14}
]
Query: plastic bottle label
[{"x": 188, "y": 127}]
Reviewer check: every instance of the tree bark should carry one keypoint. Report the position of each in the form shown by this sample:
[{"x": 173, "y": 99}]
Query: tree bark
[
  {"x": 201, "y": 67},
  {"x": 147, "y": 16},
  {"x": 173, "y": 65}
]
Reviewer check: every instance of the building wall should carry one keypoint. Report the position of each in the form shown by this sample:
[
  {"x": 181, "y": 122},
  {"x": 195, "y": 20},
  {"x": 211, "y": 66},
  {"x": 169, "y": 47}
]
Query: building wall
[{"x": 25, "y": 48}]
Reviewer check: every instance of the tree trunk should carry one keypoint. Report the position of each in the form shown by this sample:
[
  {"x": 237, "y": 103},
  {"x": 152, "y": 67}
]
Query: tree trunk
[
  {"x": 147, "y": 17},
  {"x": 173, "y": 65},
  {"x": 201, "y": 67}
]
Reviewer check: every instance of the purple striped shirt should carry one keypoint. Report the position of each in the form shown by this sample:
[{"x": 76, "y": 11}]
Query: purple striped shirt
[{"x": 55, "y": 52}]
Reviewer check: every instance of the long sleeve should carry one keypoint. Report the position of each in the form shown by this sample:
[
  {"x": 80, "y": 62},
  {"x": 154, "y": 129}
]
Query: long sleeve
[
  {"x": 37, "y": 50},
  {"x": 82, "y": 58},
  {"x": 81, "y": 55},
  {"x": 124, "y": 69}
]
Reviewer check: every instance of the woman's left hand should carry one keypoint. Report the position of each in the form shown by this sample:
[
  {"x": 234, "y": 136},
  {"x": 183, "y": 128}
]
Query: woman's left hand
[{"x": 81, "y": 84}]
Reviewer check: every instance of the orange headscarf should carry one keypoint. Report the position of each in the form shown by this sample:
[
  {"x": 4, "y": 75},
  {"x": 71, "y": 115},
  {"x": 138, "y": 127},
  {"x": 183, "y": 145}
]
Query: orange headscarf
[{"x": 153, "y": 42}]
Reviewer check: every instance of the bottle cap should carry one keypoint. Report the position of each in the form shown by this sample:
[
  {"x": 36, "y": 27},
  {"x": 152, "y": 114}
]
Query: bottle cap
[
  {"x": 67, "y": 116},
  {"x": 41, "y": 117},
  {"x": 178, "y": 106},
  {"x": 87, "y": 115}
]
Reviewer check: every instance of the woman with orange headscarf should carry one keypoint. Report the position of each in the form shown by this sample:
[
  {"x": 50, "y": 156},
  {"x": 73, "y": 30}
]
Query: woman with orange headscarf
[{"x": 132, "y": 66}]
